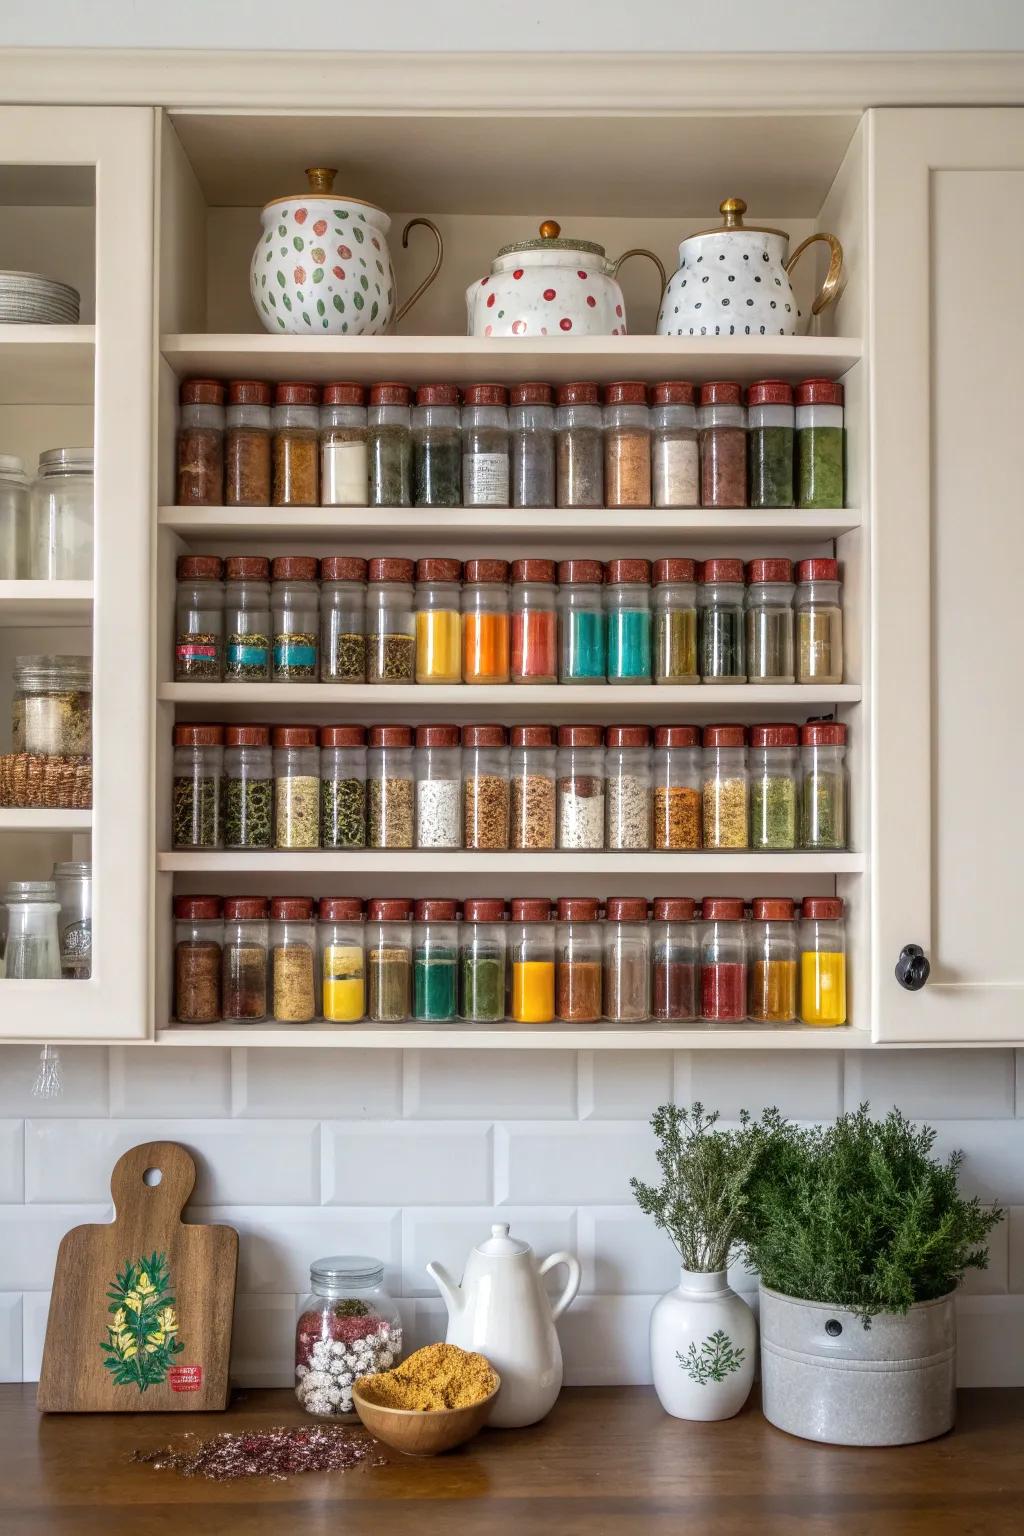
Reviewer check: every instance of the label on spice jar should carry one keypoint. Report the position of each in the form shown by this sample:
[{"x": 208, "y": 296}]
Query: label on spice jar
[
  {"x": 246, "y": 657},
  {"x": 187, "y": 652},
  {"x": 344, "y": 477},
  {"x": 485, "y": 479},
  {"x": 291, "y": 654}
]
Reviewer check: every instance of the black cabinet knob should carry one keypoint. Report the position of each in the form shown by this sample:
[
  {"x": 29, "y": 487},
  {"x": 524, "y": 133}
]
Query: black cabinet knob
[{"x": 912, "y": 967}]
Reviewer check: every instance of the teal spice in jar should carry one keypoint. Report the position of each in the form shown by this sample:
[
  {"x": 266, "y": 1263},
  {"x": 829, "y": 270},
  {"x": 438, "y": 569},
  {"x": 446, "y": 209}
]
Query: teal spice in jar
[
  {"x": 434, "y": 978},
  {"x": 629, "y": 620},
  {"x": 585, "y": 647}
]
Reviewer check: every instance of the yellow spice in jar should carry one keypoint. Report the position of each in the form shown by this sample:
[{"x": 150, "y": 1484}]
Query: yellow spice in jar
[
  {"x": 439, "y": 1376},
  {"x": 344, "y": 983},
  {"x": 438, "y": 646},
  {"x": 823, "y": 987}
]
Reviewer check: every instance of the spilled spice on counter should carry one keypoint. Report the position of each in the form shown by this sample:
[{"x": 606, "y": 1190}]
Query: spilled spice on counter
[{"x": 276, "y": 1453}]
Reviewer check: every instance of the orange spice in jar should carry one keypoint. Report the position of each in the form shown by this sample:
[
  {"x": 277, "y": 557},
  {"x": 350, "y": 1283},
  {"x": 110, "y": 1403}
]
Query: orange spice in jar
[
  {"x": 627, "y": 445},
  {"x": 296, "y": 445},
  {"x": 486, "y": 623}
]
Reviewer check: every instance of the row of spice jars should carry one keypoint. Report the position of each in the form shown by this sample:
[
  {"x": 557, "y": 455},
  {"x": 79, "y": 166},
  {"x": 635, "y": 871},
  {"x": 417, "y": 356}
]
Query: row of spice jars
[
  {"x": 245, "y": 960},
  {"x": 491, "y": 789},
  {"x": 250, "y": 444},
  {"x": 437, "y": 620}
]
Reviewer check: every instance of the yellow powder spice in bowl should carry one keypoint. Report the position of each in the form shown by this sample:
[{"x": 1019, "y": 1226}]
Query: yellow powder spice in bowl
[{"x": 437, "y": 1399}]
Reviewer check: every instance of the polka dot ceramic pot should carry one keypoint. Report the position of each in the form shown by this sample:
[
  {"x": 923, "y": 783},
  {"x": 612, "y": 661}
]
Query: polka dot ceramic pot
[
  {"x": 734, "y": 281},
  {"x": 322, "y": 265},
  {"x": 550, "y": 287}
]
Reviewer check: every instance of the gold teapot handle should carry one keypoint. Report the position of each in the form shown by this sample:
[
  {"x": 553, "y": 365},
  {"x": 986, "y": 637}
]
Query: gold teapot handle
[
  {"x": 435, "y": 269},
  {"x": 639, "y": 250},
  {"x": 830, "y": 287}
]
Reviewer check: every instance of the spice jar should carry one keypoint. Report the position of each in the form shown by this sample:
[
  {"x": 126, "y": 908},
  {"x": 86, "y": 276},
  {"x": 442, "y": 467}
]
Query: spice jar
[
  {"x": 482, "y": 960},
  {"x": 819, "y": 622},
  {"x": 389, "y": 960},
  {"x": 769, "y": 624},
  {"x": 200, "y": 448},
  {"x": 244, "y": 969},
  {"x": 390, "y": 627},
  {"x": 198, "y": 941},
  {"x": 578, "y": 961},
  {"x": 720, "y": 625},
  {"x": 61, "y": 516},
  {"x": 675, "y": 959},
  {"x": 580, "y": 787},
  {"x": 771, "y": 961},
  {"x": 295, "y": 618},
  {"x": 774, "y": 786},
  {"x": 486, "y": 626},
  {"x": 534, "y": 622},
  {"x": 438, "y": 786},
  {"x": 628, "y": 606},
  {"x": 627, "y": 960},
  {"x": 675, "y": 454},
  {"x": 724, "y": 794},
  {"x": 293, "y": 960},
  {"x": 723, "y": 445},
  {"x": 823, "y": 790},
  {"x": 247, "y": 619},
  {"x": 675, "y": 621},
  {"x": 723, "y": 961},
  {"x": 389, "y": 445},
  {"x": 820, "y": 443},
  {"x": 438, "y": 622},
  {"x": 532, "y": 943},
  {"x": 344, "y": 473},
  {"x": 196, "y": 787},
  {"x": 348, "y": 1327},
  {"x": 485, "y": 446},
  {"x": 436, "y": 447},
  {"x": 770, "y": 443},
  {"x": 51, "y": 707},
  {"x": 582, "y": 623},
  {"x": 247, "y": 477},
  {"x": 822, "y": 961},
  {"x": 14, "y": 519},
  {"x": 627, "y": 445},
  {"x": 296, "y": 786},
  {"x": 342, "y": 959},
  {"x": 485, "y": 788},
  {"x": 248, "y": 787},
  {"x": 343, "y": 619},
  {"x": 295, "y": 423},
  {"x": 435, "y": 949},
  {"x": 31, "y": 913},
  {"x": 342, "y": 786},
  {"x": 579, "y": 447},
  {"x": 532, "y": 769},
  {"x": 531, "y": 421},
  {"x": 72, "y": 879},
  {"x": 627, "y": 772},
  {"x": 677, "y": 776},
  {"x": 199, "y": 619},
  {"x": 390, "y": 787}
]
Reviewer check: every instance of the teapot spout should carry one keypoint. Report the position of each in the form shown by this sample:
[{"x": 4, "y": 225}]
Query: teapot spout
[{"x": 453, "y": 1294}]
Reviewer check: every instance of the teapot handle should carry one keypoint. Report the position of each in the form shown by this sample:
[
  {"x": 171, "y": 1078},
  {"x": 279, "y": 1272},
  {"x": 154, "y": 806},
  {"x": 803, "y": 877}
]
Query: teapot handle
[
  {"x": 639, "y": 250},
  {"x": 830, "y": 287},
  {"x": 572, "y": 1285},
  {"x": 435, "y": 269}
]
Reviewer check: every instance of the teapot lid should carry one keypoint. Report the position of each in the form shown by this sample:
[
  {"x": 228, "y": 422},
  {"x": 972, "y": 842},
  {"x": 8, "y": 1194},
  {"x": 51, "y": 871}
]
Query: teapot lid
[
  {"x": 320, "y": 179},
  {"x": 499, "y": 1245},
  {"x": 550, "y": 239},
  {"x": 732, "y": 211}
]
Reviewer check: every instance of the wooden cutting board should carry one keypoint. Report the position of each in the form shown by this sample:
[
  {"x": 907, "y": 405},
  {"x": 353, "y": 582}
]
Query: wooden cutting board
[{"x": 141, "y": 1309}]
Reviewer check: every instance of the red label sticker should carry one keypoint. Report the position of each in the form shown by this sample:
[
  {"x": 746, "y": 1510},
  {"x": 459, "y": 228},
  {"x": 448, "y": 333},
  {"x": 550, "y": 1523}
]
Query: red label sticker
[{"x": 185, "y": 1378}]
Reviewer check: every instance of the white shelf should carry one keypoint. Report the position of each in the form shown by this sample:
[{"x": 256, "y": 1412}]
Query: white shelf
[
  {"x": 28, "y": 604},
  {"x": 17, "y": 820},
  {"x": 46, "y": 364},
  {"x": 363, "y": 861},
  {"x": 540, "y": 1037}
]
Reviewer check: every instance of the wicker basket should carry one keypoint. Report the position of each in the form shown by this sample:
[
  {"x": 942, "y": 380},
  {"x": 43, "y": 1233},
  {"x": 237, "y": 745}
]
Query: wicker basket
[{"x": 31, "y": 782}]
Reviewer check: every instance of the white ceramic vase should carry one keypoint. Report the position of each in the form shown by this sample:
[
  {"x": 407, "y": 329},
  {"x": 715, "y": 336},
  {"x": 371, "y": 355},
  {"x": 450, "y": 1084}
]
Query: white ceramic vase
[{"x": 703, "y": 1348}]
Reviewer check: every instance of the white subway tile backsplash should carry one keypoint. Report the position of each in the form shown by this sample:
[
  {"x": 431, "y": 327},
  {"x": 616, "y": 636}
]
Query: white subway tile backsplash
[
  {"x": 30, "y": 1236},
  {"x": 12, "y": 1161},
  {"x": 623, "y": 1253},
  {"x": 83, "y": 1070},
  {"x": 932, "y": 1085},
  {"x": 446, "y": 1237},
  {"x": 514, "y": 1085},
  {"x": 35, "y": 1309},
  {"x": 10, "y": 1336},
  {"x": 588, "y": 1164},
  {"x": 990, "y": 1341},
  {"x": 190, "y": 1082},
  {"x": 624, "y": 1085},
  {"x": 318, "y": 1084},
  {"x": 605, "y": 1341},
  {"x": 993, "y": 1167},
  {"x": 406, "y": 1163},
  {"x": 277, "y": 1245},
  {"x": 263, "y": 1340},
  {"x": 803, "y": 1085}
]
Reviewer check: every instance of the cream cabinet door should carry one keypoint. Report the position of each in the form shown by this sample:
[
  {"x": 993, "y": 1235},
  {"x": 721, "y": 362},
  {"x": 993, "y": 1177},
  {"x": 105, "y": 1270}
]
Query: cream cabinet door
[{"x": 946, "y": 358}]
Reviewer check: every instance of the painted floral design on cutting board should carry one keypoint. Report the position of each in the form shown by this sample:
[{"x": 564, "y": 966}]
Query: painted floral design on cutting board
[{"x": 143, "y": 1331}]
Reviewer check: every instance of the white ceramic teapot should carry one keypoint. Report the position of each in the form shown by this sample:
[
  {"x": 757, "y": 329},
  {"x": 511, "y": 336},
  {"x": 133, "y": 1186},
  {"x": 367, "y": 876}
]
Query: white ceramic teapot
[
  {"x": 502, "y": 1310},
  {"x": 734, "y": 281},
  {"x": 322, "y": 267}
]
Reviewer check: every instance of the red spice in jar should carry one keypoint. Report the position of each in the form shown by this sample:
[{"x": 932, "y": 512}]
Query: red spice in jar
[
  {"x": 723, "y": 991},
  {"x": 675, "y": 989},
  {"x": 534, "y": 646}
]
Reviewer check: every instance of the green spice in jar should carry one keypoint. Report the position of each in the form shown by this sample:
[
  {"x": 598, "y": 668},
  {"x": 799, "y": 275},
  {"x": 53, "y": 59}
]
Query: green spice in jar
[
  {"x": 248, "y": 812},
  {"x": 343, "y": 813},
  {"x": 823, "y": 811},
  {"x": 770, "y": 443},
  {"x": 820, "y": 440},
  {"x": 195, "y": 812},
  {"x": 482, "y": 987},
  {"x": 675, "y": 646},
  {"x": 773, "y": 812}
]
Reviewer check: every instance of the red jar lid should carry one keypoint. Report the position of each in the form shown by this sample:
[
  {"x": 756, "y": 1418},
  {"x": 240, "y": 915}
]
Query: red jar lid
[
  {"x": 580, "y": 573},
  {"x": 722, "y": 570},
  {"x": 631, "y": 572},
  {"x": 770, "y": 392},
  {"x": 389, "y": 909},
  {"x": 823, "y": 733},
  {"x": 819, "y": 392},
  {"x": 582, "y": 392},
  {"x": 483, "y": 736},
  {"x": 251, "y": 908},
  {"x": 292, "y": 392},
  {"x": 577, "y": 909},
  {"x": 391, "y": 568},
  {"x": 532, "y": 394},
  {"x": 677, "y": 736},
  {"x": 773, "y": 909},
  {"x": 247, "y": 568},
  {"x": 626, "y": 909},
  {"x": 581, "y": 736},
  {"x": 625, "y": 392},
  {"x": 390, "y": 736},
  {"x": 823, "y": 909},
  {"x": 291, "y": 909},
  {"x": 200, "y": 567},
  {"x": 343, "y": 568},
  {"x": 483, "y": 909},
  {"x": 725, "y": 736},
  {"x": 246, "y": 735},
  {"x": 294, "y": 735},
  {"x": 248, "y": 392},
  {"x": 206, "y": 907},
  {"x": 721, "y": 392},
  {"x": 673, "y": 392},
  {"x": 202, "y": 392},
  {"x": 485, "y": 570},
  {"x": 437, "y": 735},
  {"x": 437, "y": 394},
  {"x": 485, "y": 394},
  {"x": 780, "y": 735},
  {"x": 722, "y": 909},
  {"x": 533, "y": 570},
  {"x": 674, "y": 909},
  {"x": 533, "y": 736},
  {"x": 438, "y": 568},
  {"x": 531, "y": 909},
  {"x": 627, "y": 736},
  {"x": 343, "y": 736},
  {"x": 432, "y": 910},
  {"x": 294, "y": 568},
  {"x": 198, "y": 735},
  {"x": 344, "y": 393},
  {"x": 390, "y": 394},
  {"x": 770, "y": 570},
  {"x": 340, "y": 909},
  {"x": 674, "y": 570},
  {"x": 818, "y": 570}
]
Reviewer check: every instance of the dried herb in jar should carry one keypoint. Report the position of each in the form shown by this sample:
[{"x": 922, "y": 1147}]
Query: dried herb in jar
[
  {"x": 773, "y": 811},
  {"x": 823, "y": 811},
  {"x": 533, "y": 811},
  {"x": 294, "y": 983},
  {"x": 675, "y": 645},
  {"x": 295, "y": 655},
  {"x": 390, "y": 975},
  {"x": 391, "y": 813},
  {"x": 677, "y": 814},
  {"x": 195, "y": 812},
  {"x": 722, "y": 651},
  {"x": 247, "y": 657},
  {"x": 343, "y": 813},
  {"x": 349, "y": 658},
  {"x": 197, "y": 982},
  {"x": 390, "y": 459},
  {"x": 726, "y": 814},
  {"x": 197, "y": 658},
  {"x": 392, "y": 659},
  {"x": 248, "y": 812},
  {"x": 482, "y": 987},
  {"x": 297, "y": 811},
  {"x": 486, "y": 812}
]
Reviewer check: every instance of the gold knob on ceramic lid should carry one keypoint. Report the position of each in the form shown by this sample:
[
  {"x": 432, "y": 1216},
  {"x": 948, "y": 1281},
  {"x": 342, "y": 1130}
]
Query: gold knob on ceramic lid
[
  {"x": 550, "y": 230},
  {"x": 321, "y": 178},
  {"x": 732, "y": 211}
]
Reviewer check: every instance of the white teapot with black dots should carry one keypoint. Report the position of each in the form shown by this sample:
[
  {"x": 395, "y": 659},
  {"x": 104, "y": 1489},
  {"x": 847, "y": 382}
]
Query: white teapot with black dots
[{"x": 734, "y": 281}]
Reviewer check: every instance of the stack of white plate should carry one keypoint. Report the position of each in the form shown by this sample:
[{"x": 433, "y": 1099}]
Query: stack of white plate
[{"x": 26, "y": 298}]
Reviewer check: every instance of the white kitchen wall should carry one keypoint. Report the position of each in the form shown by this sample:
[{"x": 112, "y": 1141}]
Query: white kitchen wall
[{"x": 411, "y": 1157}]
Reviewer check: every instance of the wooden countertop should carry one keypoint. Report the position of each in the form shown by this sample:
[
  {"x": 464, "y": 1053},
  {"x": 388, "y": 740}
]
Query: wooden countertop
[{"x": 607, "y": 1460}]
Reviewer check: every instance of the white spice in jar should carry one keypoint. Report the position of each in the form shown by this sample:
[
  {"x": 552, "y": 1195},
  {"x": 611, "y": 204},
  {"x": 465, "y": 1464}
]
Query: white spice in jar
[
  {"x": 629, "y": 812},
  {"x": 581, "y": 812},
  {"x": 438, "y": 813}
]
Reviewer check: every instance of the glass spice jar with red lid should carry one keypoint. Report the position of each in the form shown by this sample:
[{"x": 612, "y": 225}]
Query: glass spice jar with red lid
[
  {"x": 723, "y": 960},
  {"x": 245, "y": 961},
  {"x": 825, "y": 787},
  {"x": 772, "y": 960},
  {"x": 723, "y": 445},
  {"x": 628, "y": 606},
  {"x": 675, "y": 959},
  {"x": 295, "y": 423},
  {"x": 196, "y": 794},
  {"x": 247, "y": 623},
  {"x": 675, "y": 451},
  {"x": 769, "y": 622},
  {"x": 436, "y": 447},
  {"x": 485, "y": 446},
  {"x": 199, "y": 619},
  {"x": 532, "y": 777},
  {"x": 579, "y": 446},
  {"x": 293, "y": 968},
  {"x": 198, "y": 948},
  {"x": 627, "y": 444},
  {"x": 578, "y": 960},
  {"x": 200, "y": 444},
  {"x": 627, "y": 960},
  {"x": 534, "y": 622},
  {"x": 344, "y": 479},
  {"x": 389, "y": 445},
  {"x": 247, "y": 468},
  {"x": 531, "y": 420},
  {"x": 770, "y": 419},
  {"x": 720, "y": 621}
]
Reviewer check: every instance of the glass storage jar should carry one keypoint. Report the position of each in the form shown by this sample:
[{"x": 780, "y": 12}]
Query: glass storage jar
[
  {"x": 295, "y": 422},
  {"x": 51, "y": 708},
  {"x": 200, "y": 445},
  {"x": 389, "y": 960},
  {"x": 295, "y": 618},
  {"x": 822, "y": 961},
  {"x": 578, "y": 961},
  {"x": 579, "y": 447},
  {"x": 343, "y": 619},
  {"x": 486, "y": 790},
  {"x": 770, "y": 443},
  {"x": 677, "y": 773},
  {"x": 675, "y": 621},
  {"x": 344, "y": 463},
  {"x": 485, "y": 446},
  {"x": 769, "y": 622},
  {"x": 675, "y": 453},
  {"x": 199, "y": 619},
  {"x": 198, "y": 954},
  {"x": 725, "y": 796},
  {"x": 246, "y": 959},
  {"x": 824, "y": 785},
  {"x": 723, "y": 960},
  {"x": 72, "y": 880},
  {"x": 627, "y": 960},
  {"x": 723, "y": 445},
  {"x": 61, "y": 518},
  {"x": 342, "y": 786},
  {"x": 248, "y": 787},
  {"x": 482, "y": 960},
  {"x": 820, "y": 444},
  {"x": 774, "y": 786},
  {"x": 532, "y": 770},
  {"x": 390, "y": 626},
  {"x": 32, "y": 945},
  {"x": 720, "y": 602},
  {"x": 534, "y": 622},
  {"x": 438, "y": 767},
  {"x": 196, "y": 790},
  {"x": 435, "y": 951},
  {"x": 389, "y": 445},
  {"x": 486, "y": 624},
  {"x": 438, "y": 621},
  {"x": 296, "y": 787},
  {"x": 819, "y": 622},
  {"x": 582, "y": 623},
  {"x": 627, "y": 772},
  {"x": 628, "y": 606},
  {"x": 531, "y": 940},
  {"x": 390, "y": 787},
  {"x": 436, "y": 447},
  {"x": 247, "y": 476},
  {"x": 293, "y": 977},
  {"x": 15, "y": 536},
  {"x": 348, "y": 1327},
  {"x": 531, "y": 421},
  {"x": 580, "y": 789},
  {"x": 626, "y": 423},
  {"x": 247, "y": 619},
  {"x": 675, "y": 959},
  {"x": 342, "y": 959},
  {"x": 771, "y": 961}
]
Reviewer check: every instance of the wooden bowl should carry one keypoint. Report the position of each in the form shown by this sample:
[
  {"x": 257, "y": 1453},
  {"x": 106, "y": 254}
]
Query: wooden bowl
[{"x": 418, "y": 1432}]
